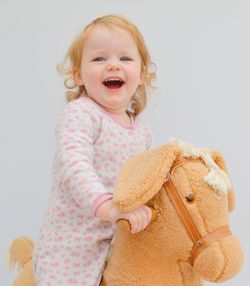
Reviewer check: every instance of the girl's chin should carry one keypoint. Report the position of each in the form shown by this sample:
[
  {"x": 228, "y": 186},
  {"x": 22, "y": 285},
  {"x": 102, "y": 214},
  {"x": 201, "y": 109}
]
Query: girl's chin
[
  {"x": 115, "y": 105},
  {"x": 112, "y": 101}
]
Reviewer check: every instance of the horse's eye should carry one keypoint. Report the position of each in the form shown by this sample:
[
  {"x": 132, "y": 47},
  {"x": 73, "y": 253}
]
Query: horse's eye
[{"x": 190, "y": 198}]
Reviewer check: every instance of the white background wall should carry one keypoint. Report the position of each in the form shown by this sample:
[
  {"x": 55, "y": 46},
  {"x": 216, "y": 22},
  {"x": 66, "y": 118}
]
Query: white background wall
[{"x": 202, "y": 51}]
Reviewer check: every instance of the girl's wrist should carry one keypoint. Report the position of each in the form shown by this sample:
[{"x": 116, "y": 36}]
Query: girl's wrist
[
  {"x": 107, "y": 211},
  {"x": 115, "y": 214}
]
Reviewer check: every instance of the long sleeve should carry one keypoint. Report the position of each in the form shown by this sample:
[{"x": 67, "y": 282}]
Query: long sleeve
[{"x": 76, "y": 132}]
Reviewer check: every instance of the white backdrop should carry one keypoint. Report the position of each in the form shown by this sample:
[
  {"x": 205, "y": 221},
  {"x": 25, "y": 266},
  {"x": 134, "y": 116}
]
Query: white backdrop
[{"x": 202, "y": 52}]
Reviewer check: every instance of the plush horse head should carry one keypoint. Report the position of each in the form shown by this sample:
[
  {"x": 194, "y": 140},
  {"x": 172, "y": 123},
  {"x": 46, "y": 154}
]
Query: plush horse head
[{"x": 190, "y": 240}]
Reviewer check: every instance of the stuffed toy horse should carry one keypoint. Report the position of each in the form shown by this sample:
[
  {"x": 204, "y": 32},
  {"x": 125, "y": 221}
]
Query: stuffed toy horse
[
  {"x": 20, "y": 253},
  {"x": 190, "y": 240}
]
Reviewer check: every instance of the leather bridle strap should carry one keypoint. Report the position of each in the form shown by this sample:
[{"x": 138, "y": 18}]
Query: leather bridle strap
[
  {"x": 207, "y": 240},
  {"x": 199, "y": 242},
  {"x": 182, "y": 211}
]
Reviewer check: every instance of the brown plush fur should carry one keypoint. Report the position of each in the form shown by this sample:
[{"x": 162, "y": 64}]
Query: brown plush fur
[
  {"x": 20, "y": 254},
  {"x": 159, "y": 255}
]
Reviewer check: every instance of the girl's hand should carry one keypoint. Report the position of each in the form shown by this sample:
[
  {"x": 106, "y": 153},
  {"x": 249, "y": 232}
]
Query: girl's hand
[{"x": 138, "y": 218}]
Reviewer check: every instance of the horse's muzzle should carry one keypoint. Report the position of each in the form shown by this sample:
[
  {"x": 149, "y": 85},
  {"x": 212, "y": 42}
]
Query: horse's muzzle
[{"x": 220, "y": 261}]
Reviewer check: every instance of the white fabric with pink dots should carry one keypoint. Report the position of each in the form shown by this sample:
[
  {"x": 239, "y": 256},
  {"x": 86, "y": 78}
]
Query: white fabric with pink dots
[{"x": 91, "y": 148}]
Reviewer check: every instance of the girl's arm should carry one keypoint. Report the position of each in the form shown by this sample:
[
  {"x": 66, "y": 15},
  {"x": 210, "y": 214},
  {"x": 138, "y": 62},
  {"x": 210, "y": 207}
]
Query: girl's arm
[{"x": 76, "y": 131}]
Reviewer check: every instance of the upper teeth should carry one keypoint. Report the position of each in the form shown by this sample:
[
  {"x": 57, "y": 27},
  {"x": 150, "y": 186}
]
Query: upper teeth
[{"x": 112, "y": 79}]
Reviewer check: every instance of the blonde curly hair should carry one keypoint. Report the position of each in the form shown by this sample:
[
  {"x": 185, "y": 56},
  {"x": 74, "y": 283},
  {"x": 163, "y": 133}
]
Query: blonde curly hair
[{"x": 72, "y": 61}]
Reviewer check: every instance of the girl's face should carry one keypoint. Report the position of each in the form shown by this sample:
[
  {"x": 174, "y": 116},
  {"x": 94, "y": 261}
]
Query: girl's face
[{"x": 110, "y": 68}]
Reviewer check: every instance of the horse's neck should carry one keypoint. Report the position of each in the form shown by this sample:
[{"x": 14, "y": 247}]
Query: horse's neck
[
  {"x": 146, "y": 257},
  {"x": 156, "y": 255},
  {"x": 134, "y": 260}
]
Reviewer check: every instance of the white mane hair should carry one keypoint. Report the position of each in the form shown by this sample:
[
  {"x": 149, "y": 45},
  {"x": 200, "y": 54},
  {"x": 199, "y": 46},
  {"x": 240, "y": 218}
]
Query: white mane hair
[{"x": 216, "y": 178}]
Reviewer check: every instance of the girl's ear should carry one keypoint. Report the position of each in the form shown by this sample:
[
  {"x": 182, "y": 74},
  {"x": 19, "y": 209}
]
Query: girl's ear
[
  {"x": 142, "y": 76},
  {"x": 219, "y": 160},
  {"x": 78, "y": 78},
  {"x": 142, "y": 176}
]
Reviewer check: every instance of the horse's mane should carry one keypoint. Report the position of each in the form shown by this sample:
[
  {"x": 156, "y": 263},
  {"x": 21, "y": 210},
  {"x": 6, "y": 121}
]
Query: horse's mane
[{"x": 216, "y": 178}]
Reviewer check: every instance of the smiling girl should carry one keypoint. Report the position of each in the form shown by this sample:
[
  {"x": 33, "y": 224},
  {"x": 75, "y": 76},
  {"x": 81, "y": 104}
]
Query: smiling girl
[{"x": 100, "y": 128}]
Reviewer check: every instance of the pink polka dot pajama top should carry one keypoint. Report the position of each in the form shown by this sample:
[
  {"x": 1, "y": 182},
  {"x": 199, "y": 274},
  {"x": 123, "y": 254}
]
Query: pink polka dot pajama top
[{"x": 90, "y": 149}]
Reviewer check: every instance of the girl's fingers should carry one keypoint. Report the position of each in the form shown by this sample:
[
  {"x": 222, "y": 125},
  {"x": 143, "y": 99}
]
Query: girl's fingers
[
  {"x": 143, "y": 217},
  {"x": 139, "y": 218},
  {"x": 147, "y": 216},
  {"x": 149, "y": 213},
  {"x": 139, "y": 221},
  {"x": 133, "y": 222}
]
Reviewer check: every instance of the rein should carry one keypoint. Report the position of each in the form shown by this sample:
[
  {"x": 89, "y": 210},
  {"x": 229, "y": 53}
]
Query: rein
[{"x": 199, "y": 242}]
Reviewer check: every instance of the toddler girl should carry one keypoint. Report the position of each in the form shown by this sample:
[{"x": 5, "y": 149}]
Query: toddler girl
[{"x": 108, "y": 76}]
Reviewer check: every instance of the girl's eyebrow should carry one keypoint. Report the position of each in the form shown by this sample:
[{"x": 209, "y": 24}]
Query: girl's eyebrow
[
  {"x": 122, "y": 51},
  {"x": 95, "y": 51}
]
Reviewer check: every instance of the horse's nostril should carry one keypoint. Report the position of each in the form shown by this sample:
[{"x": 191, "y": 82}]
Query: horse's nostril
[{"x": 190, "y": 198}]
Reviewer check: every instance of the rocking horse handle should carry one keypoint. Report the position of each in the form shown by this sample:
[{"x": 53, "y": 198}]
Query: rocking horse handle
[{"x": 153, "y": 217}]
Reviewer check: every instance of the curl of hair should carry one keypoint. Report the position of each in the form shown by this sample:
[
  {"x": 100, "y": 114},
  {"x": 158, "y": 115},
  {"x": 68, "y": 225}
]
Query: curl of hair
[{"x": 72, "y": 61}]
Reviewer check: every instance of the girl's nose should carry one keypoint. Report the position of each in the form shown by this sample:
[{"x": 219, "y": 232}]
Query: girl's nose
[{"x": 114, "y": 66}]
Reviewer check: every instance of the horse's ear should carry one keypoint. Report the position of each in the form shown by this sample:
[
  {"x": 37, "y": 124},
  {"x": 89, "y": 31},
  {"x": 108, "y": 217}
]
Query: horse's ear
[
  {"x": 142, "y": 176},
  {"x": 219, "y": 160}
]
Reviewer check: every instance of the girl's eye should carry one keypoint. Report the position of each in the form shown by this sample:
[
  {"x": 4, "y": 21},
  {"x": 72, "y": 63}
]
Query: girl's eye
[
  {"x": 126, "y": 58},
  {"x": 98, "y": 59}
]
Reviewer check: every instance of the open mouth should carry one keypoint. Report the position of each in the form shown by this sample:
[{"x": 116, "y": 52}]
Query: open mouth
[{"x": 113, "y": 83}]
